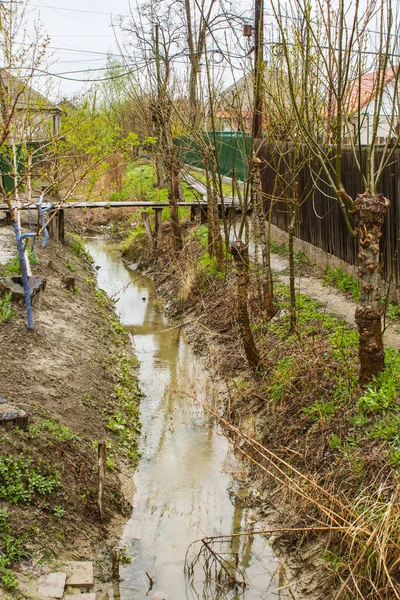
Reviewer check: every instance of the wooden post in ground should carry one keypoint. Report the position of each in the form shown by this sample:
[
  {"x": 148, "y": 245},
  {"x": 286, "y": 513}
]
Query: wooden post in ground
[
  {"x": 61, "y": 226},
  {"x": 147, "y": 226},
  {"x": 157, "y": 225},
  {"x": 194, "y": 213},
  {"x": 8, "y": 218},
  {"x": 53, "y": 226},
  {"x": 116, "y": 552},
  {"x": 101, "y": 454},
  {"x": 203, "y": 214}
]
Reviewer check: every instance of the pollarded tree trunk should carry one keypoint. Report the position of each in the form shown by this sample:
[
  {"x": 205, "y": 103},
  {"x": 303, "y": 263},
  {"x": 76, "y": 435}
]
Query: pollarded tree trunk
[
  {"x": 369, "y": 214},
  {"x": 240, "y": 253}
]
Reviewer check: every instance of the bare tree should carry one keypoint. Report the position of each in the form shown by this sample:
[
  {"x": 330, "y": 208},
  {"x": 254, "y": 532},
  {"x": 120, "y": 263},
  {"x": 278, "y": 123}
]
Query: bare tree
[{"x": 337, "y": 54}]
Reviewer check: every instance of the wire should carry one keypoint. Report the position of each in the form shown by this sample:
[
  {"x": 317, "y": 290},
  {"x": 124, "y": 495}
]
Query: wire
[
  {"x": 79, "y": 10},
  {"x": 69, "y": 17}
]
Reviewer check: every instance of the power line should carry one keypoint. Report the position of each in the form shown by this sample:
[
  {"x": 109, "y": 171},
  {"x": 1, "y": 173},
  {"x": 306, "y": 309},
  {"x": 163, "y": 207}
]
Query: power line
[{"x": 79, "y": 10}]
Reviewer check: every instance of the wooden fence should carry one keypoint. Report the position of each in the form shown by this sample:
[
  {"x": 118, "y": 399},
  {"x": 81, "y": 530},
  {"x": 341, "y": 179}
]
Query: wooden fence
[{"x": 320, "y": 221}]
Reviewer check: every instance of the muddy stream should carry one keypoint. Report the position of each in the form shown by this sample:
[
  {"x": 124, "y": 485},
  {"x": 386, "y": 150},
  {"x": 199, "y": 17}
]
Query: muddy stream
[{"x": 188, "y": 483}]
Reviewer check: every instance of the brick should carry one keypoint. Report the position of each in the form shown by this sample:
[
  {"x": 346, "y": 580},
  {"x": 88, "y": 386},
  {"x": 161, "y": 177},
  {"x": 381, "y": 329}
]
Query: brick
[
  {"x": 52, "y": 585},
  {"x": 79, "y": 574}
]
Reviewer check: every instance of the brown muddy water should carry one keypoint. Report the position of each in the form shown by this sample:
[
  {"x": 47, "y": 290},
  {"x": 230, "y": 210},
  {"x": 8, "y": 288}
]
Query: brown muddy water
[{"x": 188, "y": 483}]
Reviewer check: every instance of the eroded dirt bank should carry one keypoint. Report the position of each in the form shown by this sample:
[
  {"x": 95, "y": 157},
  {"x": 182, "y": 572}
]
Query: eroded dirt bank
[{"x": 76, "y": 377}]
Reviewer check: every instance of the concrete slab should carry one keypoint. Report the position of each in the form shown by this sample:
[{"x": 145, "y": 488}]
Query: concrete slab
[
  {"x": 52, "y": 585},
  {"x": 79, "y": 573},
  {"x": 90, "y": 596}
]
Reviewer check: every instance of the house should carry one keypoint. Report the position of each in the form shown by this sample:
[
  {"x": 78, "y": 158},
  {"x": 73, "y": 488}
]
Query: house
[
  {"x": 27, "y": 120},
  {"x": 234, "y": 110},
  {"x": 361, "y": 105},
  {"x": 32, "y": 117}
]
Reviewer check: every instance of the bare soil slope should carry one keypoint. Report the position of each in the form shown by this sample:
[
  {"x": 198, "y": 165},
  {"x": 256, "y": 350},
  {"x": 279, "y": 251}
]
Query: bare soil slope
[{"x": 75, "y": 376}]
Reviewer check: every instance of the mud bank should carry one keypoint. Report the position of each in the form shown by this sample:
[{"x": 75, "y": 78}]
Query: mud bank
[{"x": 75, "y": 376}]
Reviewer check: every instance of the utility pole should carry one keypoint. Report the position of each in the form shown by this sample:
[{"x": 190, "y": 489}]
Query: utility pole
[{"x": 258, "y": 69}]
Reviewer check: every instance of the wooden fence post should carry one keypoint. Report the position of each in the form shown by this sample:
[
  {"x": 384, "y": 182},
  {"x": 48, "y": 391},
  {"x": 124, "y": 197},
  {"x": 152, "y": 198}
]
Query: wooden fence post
[
  {"x": 147, "y": 226},
  {"x": 53, "y": 226},
  {"x": 157, "y": 224},
  {"x": 61, "y": 226}
]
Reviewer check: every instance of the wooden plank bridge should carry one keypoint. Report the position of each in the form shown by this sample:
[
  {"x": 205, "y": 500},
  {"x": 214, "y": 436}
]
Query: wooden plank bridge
[{"x": 198, "y": 209}]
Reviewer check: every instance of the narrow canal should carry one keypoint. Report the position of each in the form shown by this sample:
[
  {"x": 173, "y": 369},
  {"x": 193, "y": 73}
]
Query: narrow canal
[{"x": 186, "y": 472}]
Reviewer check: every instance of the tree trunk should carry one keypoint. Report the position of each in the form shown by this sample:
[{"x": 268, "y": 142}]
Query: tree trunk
[
  {"x": 293, "y": 320},
  {"x": 369, "y": 213},
  {"x": 173, "y": 198},
  {"x": 264, "y": 241},
  {"x": 160, "y": 173},
  {"x": 240, "y": 253},
  {"x": 294, "y": 205},
  {"x": 215, "y": 247}
]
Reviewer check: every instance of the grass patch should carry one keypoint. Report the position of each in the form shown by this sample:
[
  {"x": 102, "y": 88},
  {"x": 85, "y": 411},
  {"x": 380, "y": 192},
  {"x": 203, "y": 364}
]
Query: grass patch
[
  {"x": 139, "y": 184},
  {"x": 55, "y": 430},
  {"x": 12, "y": 268},
  {"x": 6, "y": 312},
  {"x": 78, "y": 247},
  {"x": 345, "y": 282},
  {"x": 201, "y": 178}
]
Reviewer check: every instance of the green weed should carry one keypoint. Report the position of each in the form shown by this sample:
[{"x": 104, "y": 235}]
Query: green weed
[
  {"x": 59, "y": 512},
  {"x": 70, "y": 266},
  {"x": 12, "y": 268},
  {"x": 299, "y": 258},
  {"x": 281, "y": 378},
  {"x": 379, "y": 399},
  {"x": 6, "y": 312},
  {"x": 392, "y": 309},
  {"x": 207, "y": 266},
  {"x": 12, "y": 550},
  {"x": 320, "y": 410},
  {"x": 123, "y": 418},
  {"x": 279, "y": 248},
  {"x": 56, "y": 431},
  {"x": 134, "y": 235},
  {"x": 78, "y": 246},
  {"x": 21, "y": 480},
  {"x": 335, "y": 442},
  {"x": 345, "y": 282},
  {"x": 384, "y": 390}
]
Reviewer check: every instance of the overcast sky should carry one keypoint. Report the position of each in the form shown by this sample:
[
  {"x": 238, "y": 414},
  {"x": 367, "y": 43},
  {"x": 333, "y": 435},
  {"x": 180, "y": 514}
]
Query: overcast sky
[{"x": 81, "y": 37}]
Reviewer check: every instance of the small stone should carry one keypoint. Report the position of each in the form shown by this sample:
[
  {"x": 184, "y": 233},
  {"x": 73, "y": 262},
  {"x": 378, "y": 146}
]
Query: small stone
[
  {"x": 79, "y": 573},
  {"x": 11, "y": 415},
  {"x": 3, "y": 400},
  {"x": 52, "y": 585}
]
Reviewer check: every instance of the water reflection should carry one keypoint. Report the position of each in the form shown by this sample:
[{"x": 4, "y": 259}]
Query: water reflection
[{"x": 181, "y": 485}]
